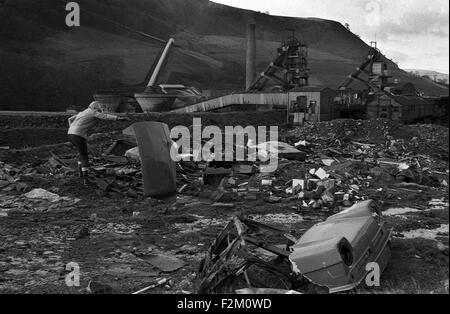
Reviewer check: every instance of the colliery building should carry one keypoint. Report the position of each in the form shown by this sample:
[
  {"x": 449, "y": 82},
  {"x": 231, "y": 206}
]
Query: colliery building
[{"x": 404, "y": 103}]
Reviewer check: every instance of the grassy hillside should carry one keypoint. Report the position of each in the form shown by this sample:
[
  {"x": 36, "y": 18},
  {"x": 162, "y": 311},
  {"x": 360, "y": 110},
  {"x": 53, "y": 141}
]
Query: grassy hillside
[
  {"x": 434, "y": 75},
  {"x": 48, "y": 66}
]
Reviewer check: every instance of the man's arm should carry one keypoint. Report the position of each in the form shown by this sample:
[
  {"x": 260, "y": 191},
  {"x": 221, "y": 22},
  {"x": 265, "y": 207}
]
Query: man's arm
[
  {"x": 105, "y": 116},
  {"x": 71, "y": 119}
]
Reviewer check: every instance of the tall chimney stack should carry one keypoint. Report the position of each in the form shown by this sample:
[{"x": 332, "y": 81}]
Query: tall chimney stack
[{"x": 251, "y": 55}]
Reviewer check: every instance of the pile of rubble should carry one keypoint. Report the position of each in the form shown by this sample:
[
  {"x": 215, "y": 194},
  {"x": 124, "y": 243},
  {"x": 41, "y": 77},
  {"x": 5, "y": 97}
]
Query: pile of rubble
[
  {"x": 322, "y": 168},
  {"x": 332, "y": 163},
  {"x": 332, "y": 254}
]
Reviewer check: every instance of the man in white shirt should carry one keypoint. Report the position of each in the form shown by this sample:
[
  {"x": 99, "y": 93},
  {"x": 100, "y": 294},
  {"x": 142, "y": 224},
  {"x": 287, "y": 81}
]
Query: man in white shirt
[{"x": 79, "y": 127}]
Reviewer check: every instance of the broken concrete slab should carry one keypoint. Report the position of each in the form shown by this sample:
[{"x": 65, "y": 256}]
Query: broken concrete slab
[
  {"x": 298, "y": 185},
  {"x": 43, "y": 195},
  {"x": 279, "y": 150},
  {"x": 321, "y": 174},
  {"x": 165, "y": 263}
]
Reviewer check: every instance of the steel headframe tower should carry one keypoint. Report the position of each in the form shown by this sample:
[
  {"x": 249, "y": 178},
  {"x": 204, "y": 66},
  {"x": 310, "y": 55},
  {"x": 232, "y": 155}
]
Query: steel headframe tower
[
  {"x": 375, "y": 69},
  {"x": 296, "y": 59},
  {"x": 289, "y": 69}
]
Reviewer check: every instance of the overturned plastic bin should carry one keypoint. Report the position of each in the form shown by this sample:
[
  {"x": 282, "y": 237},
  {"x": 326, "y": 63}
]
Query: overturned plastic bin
[{"x": 158, "y": 168}]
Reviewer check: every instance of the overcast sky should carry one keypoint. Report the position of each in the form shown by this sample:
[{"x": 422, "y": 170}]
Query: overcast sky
[{"x": 414, "y": 33}]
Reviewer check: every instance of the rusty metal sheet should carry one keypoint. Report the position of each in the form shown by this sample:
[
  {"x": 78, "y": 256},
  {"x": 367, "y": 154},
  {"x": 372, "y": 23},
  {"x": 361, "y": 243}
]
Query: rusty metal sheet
[
  {"x": 158, "y": 168},
  {"x": 231, "y": 255}
]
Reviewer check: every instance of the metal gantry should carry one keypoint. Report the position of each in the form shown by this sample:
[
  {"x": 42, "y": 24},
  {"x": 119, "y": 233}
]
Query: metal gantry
[{"x": 291, "y": 62}]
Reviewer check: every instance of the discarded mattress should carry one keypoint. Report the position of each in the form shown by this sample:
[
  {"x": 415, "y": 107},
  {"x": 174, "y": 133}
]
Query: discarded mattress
[
  {"x": 335, "y": 253},
  {"x": 158, "y": 168}
]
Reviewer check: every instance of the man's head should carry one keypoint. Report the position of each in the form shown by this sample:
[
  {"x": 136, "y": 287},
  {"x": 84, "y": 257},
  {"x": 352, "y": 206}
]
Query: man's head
[{"x": 95, "y": 106}]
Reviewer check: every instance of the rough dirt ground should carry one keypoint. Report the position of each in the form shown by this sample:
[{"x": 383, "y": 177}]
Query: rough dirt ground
[{"x": 111, "y": 236}]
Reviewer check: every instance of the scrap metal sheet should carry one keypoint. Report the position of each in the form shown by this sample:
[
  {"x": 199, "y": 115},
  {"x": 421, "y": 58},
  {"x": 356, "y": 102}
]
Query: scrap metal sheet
[{"x": 158, "y": 168}]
